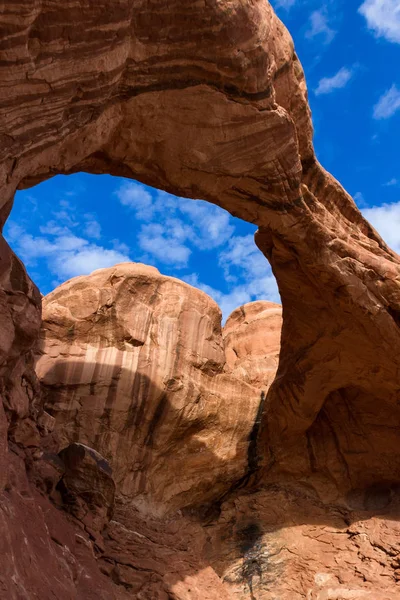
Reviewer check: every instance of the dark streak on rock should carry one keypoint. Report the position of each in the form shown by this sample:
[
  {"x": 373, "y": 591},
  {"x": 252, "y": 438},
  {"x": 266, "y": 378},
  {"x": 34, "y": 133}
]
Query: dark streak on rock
[
  {"x": 156, "y": 419},
  {"x": 214, "y": 509}
]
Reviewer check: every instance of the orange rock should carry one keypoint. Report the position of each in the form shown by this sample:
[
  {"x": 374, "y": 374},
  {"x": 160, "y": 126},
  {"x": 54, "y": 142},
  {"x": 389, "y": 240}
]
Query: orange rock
[
  {"x": 132, "y": 363},
  {"x": 205, "y": 100},
  {"x": 252, "y": 342}
]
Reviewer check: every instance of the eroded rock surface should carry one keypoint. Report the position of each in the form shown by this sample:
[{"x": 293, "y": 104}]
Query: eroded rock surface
[
  {"x": 150, "y": 542},
  {"x": 207, "y": 100},
  {"x": 285, "y": 539},
  {"x": 128, "y": 88},
  {"x": 252, "y": 336},
  {"x": 133, "y": 364}
]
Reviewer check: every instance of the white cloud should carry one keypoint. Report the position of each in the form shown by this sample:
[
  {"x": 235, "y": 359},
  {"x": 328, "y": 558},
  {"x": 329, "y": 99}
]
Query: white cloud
[
  {"x": 52, "y": 228},
  {"x": 319, "y": 26},
  {"x": 120, "y": 246},
  {"x": 386, "y": 220},
  {"x": 247, "y": 273},
  {"x": 65, "y": 222},
  {"x": 242, "y": 255},
  {"x": 134, "y": 196},
  {"x": 66, "y": 216},
  {"x": 197, "y": 224},
  {"x": 388, "y": 104},
  {"x": 170, "y": 230},
  {"x": 264, "y": 288},
  {"x": 92, "y": 227},
  {"x": 211, "y": 223},
  {"x": 165, "y": 243},
  {"x": 391, "y": 182},
  {"x": 286, "y": 4},
  {"x": 245, "y": 266},
  {"x": 383, "y": 17},
  {"x": 227, "y": 302},
  {"x": 191, "y": 223},
  {"x": 66, "y": 254},
  {"x": 86, "y": 260},
  {"x": 328, "y": 84}
]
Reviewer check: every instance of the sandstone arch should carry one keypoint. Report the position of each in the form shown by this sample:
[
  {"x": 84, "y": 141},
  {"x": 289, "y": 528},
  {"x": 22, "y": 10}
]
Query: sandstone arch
[{"x": 204, "y": 99}]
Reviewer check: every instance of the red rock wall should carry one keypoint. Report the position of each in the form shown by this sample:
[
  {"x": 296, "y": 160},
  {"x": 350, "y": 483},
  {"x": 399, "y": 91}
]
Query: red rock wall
[
  {"x": 128, "y": 88},
  {"x": 230, "y": 537},
  {"x": 130, "y": 92},
  {"x": 133, "y": 364}
]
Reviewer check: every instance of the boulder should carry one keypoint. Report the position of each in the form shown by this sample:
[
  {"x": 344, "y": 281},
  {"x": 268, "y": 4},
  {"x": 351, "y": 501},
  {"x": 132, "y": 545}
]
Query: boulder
[{"x": 87, "y": 487}]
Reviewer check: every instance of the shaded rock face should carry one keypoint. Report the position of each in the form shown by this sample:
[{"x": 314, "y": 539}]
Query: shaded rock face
[
  {"x": 44, "y": 554},
  {"x": 286, "y": 540},
  {"x": 283, "y": 542},
  {"x": 87, "y": 486},
  {"x": 133, "y": 364},
  {"x": 127, "y": 88}
]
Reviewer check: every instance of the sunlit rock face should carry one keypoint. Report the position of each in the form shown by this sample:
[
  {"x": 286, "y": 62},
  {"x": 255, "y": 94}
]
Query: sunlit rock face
[
  {"x": 209, "y": 101},
  {"x": 103, "y": 333},
  {"x": 205, "y": 100},
  {"x": 133, "y": 364},
  {"x": 252, "y": 336}
]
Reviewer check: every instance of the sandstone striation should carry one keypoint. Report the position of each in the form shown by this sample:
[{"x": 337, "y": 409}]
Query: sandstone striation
[
  {"x": 225, "y": 540},
  {"x": 205, "y": 100},
  {"x": 252, "y": 337},
  {"x": 132, "y": 363}
]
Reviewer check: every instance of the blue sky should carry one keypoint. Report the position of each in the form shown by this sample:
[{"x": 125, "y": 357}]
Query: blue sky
[{"x": 350, "y": 52}]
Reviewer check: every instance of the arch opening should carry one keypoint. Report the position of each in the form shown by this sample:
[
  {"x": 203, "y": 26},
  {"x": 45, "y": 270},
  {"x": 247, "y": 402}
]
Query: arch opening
[
  {"x": 72, "y": 225},
  {"x": 127, "y": 91}
]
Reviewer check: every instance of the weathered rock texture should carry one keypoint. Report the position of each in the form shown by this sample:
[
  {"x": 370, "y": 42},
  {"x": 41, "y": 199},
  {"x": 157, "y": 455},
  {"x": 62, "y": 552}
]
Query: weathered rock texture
[
  {"x": 252, "y": 336},
  {"x": 133, "y": 364},
  {"x": 111, "y": 345},
  {"x": 208, "y": 99}
]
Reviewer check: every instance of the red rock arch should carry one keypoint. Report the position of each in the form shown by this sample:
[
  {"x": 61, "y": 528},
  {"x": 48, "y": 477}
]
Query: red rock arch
[{"x": 203, "y": 100}]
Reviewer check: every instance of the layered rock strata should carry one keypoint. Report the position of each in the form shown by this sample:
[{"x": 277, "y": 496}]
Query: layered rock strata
[
  {"x": 127, "y": 88},
  {"x": 133, "y": 364},
  {"x": 166, "y": 535}
]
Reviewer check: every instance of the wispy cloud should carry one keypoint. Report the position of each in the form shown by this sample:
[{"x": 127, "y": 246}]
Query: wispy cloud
[
  {"x": 166, "y": 243},
  {"x": 383, "y": 18},
  {"x": 247, "y": 273},
  {"x": 386, "y": 220},
  {"x": 165, "y": 231},
  {"x": 265, "y": 289},
  {"x": 92, "y": 227},
  {"x": 388, "y": 104},
  {"x": 65, "y": 244},
  {"x": 319, "y": 26},
  {"x": 392, "y": 182},
  {"x": 338, "y": 81},
  {"x": 137, "y": 198},
  {"x": 194, "y": 225},
  {"x": 286, "y": 4},
  {"x": 65, "y": 253},
  {"x": 191, "y": 224},
  {"x": 197, "y": 225}
]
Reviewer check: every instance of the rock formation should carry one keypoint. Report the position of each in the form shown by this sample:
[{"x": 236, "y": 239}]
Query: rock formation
[
  {"x": 133, "y": 364},
  {"x": 113, "y": 345},
  {"x": 205, "y": 100}
]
